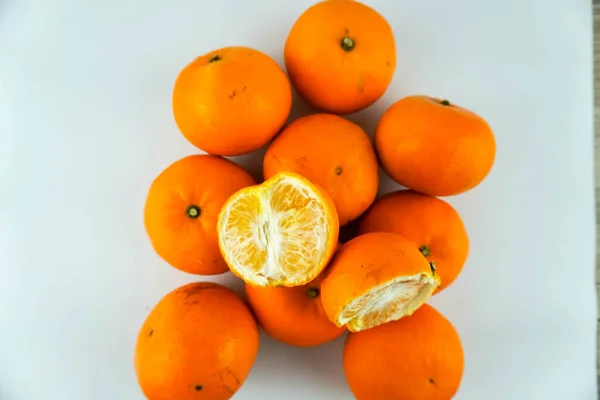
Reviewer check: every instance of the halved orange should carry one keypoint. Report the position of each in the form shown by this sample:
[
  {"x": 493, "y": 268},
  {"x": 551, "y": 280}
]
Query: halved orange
[
  {"x": 376, "y": 278},
  {"x": 282, "y": 232}
]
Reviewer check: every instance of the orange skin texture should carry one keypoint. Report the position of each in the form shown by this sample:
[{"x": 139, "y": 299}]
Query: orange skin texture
[
  {"x": 417, "y": 357},
  {"x": 233, "y": 105},
  {"x": 191, "y": 244},
  {"x": 426, "y": 221},
  {"x": 365, "y": 262},
  {"x": 293, "y": 315},
  {"x": 327, "y": 76},
  {"x": 436, "y": 149},
  {"x": 199, "y": 342},
  {"x": 332, "y": 152}
]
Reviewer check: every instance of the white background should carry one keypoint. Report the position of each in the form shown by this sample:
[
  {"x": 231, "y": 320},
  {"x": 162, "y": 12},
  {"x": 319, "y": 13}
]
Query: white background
[{"x": 86, "y": 124}]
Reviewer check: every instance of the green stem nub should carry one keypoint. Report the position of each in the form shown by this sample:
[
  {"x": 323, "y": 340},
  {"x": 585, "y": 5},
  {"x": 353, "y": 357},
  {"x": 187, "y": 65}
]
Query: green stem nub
[
  {"x": 193, "y": 211},
  {"x": 313, "y": 293},
  {"x": 425, "y": 250},
  {"x": 347, "y": 43},
  {"x": 214, "y": 58},
  {"x": 445, "y": 102},
  {"x": 433, "y": 268}
]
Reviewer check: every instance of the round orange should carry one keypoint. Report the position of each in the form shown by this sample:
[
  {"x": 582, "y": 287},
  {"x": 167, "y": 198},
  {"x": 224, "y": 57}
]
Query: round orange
[
  {"x": 430, "y": 223},
  {"x": 182, "y": 209},
  {"x": 199, "y": 342},
  {"x": 340, "y": 56},
  {"x": 418, "y": 357},
  {"x": 332, "y": 152},
  {"x": 293, "y": 315},
  {"x": 231, "y": 101},
  {"x": 433, "y": 146}
]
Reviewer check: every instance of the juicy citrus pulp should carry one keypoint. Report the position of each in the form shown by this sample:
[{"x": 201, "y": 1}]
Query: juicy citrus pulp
[
  {"x": 388, "y": 302},
  {"x": 280, "y": 233}
]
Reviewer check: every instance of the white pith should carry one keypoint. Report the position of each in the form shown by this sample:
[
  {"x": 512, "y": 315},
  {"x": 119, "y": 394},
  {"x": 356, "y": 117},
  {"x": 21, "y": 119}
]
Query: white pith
[
  {"x": 392, "y": 300},
  {"x": 276, "y": 234}
]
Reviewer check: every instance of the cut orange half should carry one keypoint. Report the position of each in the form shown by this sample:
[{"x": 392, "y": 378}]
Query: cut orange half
[
  {"x": 376, "y": 278},
  {"x": 282, "y": 232}
]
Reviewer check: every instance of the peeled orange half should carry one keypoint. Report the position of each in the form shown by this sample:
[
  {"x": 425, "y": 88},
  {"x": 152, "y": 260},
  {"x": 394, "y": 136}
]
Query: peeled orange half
[
  {"x": 376, "y": 278},
  {"x": 282, "y": 232}
]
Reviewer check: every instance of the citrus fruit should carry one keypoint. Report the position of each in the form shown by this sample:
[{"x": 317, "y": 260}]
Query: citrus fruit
[
  {"x": 293, "y": 315},
  {"x": 199, "y": 342},
  {"x": 376, "y": 278},
  {"x": 231, "y": 101},
  {"x": 340, "y": 55},
  {"x": 430, "y": 223},
  {"x": 279, "y": 233},
  {"x": 182, "y": 208},
  {"x": 418, "y": 357},
  {"x": 334, "y": 153},
  {"x": 433, "y": 146}
]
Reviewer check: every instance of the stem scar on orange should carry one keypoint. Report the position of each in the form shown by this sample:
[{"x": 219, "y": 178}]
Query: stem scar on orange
[
  {"x": 182, "y": 208},
  {"x": 340, "y": 56}
]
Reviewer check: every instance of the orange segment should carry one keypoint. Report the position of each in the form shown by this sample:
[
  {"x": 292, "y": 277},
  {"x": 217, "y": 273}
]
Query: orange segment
[
  {"x": 376, "y": 278},
  {"x": 280, "y": 233}
]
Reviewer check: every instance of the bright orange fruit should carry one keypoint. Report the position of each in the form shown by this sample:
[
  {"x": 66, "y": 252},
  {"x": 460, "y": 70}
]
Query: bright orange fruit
[
  {"x": 376, "y": 278},
  {"x": 293, "y": 315},
  {"x": 182, "y": 208},
  {"x": 430, "y": 223},
  {"x": 418, "y": 357},
  {"x": 282, "y": 232},
  {"x": 332, "y": 152},
  {"x": 340, "y": 55},
  {"x": 231, "y": 101},
  {"x": 433, "y": 146},
  {"x": 199, "y": 342}
]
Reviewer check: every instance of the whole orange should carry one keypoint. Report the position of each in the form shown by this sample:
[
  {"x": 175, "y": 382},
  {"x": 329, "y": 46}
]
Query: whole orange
[
  {"x": 199, "y": 342},
  {"x": 293, "y": 315},
  {"x": 334, "y": 153},
  {"x": 231, "y": 101},
  {"x": 340, "y": 55},
  {"x": 418, "y": 357},
  {"x": 433, "y": 146},
  {"x": 430, "y": 223},
  {"x": 182, "y": 208}
]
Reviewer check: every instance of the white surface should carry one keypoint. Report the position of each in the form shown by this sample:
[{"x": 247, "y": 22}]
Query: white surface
[{"x": 86, "y": 124}]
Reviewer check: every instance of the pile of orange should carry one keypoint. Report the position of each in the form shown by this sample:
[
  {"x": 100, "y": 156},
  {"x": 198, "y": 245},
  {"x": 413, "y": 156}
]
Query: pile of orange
[{"x": 206, "y": 215}]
